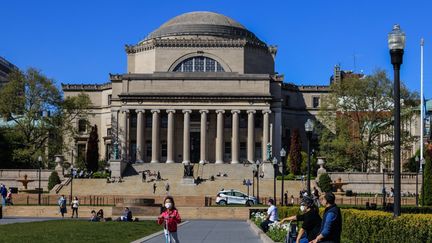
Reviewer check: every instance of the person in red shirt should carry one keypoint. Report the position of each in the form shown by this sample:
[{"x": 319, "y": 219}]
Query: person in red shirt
[{"x": 169, "y": 220}]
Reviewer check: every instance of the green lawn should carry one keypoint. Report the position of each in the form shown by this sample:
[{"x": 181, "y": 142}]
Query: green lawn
[{"x": 77, "y": 231}]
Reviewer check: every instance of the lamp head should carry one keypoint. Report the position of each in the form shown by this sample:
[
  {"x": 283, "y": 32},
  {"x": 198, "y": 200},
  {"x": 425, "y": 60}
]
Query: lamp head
[
  {"x": 275, "y": 161},
  {"x": 309, "y": 126},
  {"x": 282, "y": 152},
  {"x": 40, "y": 158},
  {"x": 396, "y": 38}
]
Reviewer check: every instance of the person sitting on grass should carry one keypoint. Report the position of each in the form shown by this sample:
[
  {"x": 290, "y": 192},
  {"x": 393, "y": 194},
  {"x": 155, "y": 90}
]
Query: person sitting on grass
[
  {"x": 127, "y": 215},
  {"x": 94, "y": 217}
]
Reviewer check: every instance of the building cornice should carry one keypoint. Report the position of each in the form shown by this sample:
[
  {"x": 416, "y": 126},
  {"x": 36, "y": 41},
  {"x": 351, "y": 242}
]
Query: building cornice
[
  {"x": 193, "y": 43},
  {"x": 191, "y": 76},
  {"x": 139, "y": 97},
  {"x": 86, "y": 87}
]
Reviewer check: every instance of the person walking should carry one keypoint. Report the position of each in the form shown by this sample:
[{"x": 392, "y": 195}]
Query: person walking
[
  {"x": 3, "y": 193},
  {"x": 311, "y": 221},
  {"x": 331, "y": 227},
  {"x": 62, "y": 205},
  {"x": 154, "y": 187},
  {"x": 169, "y": 219},
  {"x": 272, "y": 215},
  {"x": 285, "y": 201},
  {"x": 167, "y": 188},
  {"x": 75, "y": 205}
]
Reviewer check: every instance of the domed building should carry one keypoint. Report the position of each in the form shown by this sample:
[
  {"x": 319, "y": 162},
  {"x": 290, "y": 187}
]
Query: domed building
[{"x": 200, "y": 88}]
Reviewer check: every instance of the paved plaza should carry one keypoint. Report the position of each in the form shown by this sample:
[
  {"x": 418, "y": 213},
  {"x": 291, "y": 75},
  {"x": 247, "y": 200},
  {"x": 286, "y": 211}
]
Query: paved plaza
[{"x": 210, "y": 231}]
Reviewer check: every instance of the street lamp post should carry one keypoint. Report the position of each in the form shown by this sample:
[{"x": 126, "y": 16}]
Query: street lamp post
[
  {"x": 309, "y": 129},
  {"x": 275, "y": 167},
  {"x": 417, "y": 160},
  {"x": 257, "y": 175},
  {"x": 422, "y": 173},
  {"x": 282, "y": 155},
  {"x": 253, "y": 182},
  {"x": 396, "y": 44},
  {"x": 40, "y": 170},
  {"x": 384, "y": 190},
  {"x": 71, "y": 182}
]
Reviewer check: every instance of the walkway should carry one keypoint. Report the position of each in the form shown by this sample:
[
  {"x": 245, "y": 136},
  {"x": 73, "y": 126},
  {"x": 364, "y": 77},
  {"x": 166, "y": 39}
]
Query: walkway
[
  {"x": 212, "y": 231},
  {"x": 13, "y": 220}
]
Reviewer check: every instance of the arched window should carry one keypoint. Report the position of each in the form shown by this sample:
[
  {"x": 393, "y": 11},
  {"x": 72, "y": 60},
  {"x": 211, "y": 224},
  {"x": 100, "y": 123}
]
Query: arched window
[{"x": 199, "y": 64}]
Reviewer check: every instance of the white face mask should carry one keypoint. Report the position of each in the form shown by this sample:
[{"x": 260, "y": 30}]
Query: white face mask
[
  {"x": 302, "y": 208},
  {"x": 168, "y": 205}
]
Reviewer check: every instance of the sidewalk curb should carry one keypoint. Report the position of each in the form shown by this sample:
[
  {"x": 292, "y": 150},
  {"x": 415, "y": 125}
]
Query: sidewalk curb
[
  {"x": 148, "y": 237},
  {"x": 259, "y": 232}
]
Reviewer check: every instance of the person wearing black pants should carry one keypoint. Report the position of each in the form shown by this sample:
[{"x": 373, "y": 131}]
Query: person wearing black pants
[{"x": 75, "y": 205}]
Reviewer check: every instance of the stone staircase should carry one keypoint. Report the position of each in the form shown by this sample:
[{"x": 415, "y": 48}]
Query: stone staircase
[{"x": 172, "y": 174}]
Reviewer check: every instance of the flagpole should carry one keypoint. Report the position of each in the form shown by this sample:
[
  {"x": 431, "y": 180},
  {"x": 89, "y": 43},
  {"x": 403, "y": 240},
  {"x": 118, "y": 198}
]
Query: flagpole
[{"x": 421, "y": 103}]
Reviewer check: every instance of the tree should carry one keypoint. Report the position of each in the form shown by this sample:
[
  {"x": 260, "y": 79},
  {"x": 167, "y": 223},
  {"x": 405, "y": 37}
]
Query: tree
[
  {"x": 354, "y": 117},
  {"x": 427, "y": 185},
  {"x": 36, "y": 111},
  {"x": 295, "y": 156},
  {"x": 324, "y": 183},
  {"x": 92, "y": 155},
  {"x": 53, "y": 180}
]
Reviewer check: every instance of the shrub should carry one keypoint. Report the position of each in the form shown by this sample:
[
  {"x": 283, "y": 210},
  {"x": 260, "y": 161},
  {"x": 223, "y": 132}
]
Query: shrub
[
  {"x": 100, "y": 174},
  {"x": 324, "y": 183},
  {"x": 53, "y": 180}
]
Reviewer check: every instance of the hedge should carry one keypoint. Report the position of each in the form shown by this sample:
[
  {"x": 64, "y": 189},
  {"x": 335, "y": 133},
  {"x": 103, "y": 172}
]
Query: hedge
[{"x": 378, "y": 226}]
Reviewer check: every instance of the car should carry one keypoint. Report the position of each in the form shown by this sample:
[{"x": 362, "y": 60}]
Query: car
[{"x": 231, "y": 196}]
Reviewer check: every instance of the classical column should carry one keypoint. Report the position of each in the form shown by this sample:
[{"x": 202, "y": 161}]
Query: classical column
[
  {"x": 235, "y": 143},
  {"x": 124, "y": 134},
  {"x": 250, "y": 138},
  {"x": 155, "y": 137},
  {"x": 266, "y": 133},
  {"x": 186, "y": 136},
  {"x": 170, "y": 137},
  {"x": 277, "y": 130},
  {"x": 140, "y": 136},
  {"x": 203, "y": 136},
  {"x": 219, "y": 136}
]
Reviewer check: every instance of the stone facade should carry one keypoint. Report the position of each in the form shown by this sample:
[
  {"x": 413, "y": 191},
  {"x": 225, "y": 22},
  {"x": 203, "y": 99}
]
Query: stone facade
[{"x": 201, "y": 88}]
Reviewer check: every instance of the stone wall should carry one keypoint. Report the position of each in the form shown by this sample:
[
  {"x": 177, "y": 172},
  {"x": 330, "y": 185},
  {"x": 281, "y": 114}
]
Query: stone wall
[
  {"x": 10, "y": 177},
  {"x": 373, "y": 182}
]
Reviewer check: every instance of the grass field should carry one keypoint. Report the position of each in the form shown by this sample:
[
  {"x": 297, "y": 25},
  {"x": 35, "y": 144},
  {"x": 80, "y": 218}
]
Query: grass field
[{"x": 77, "y": 231}]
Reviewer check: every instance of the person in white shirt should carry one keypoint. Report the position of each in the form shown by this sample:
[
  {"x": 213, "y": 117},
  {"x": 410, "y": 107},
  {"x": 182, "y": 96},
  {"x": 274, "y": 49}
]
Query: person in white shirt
[
  {"x": 272, "y": 215},
  {"x": 75, "y": 205}
]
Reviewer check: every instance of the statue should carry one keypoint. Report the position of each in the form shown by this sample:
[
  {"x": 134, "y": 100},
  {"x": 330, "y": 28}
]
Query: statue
[
  {"x": 321, "y": 169},
  {"x": 188, "y": 170},
  {"x": 115, "y": 150}
]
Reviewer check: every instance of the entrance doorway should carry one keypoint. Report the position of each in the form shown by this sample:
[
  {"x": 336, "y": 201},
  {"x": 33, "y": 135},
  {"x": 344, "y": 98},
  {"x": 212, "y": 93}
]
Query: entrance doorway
[{"x": 195, "y": 147}]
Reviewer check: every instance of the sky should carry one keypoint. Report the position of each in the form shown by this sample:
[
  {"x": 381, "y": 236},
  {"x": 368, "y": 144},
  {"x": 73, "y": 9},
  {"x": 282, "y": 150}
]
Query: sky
[{"x": 83, "y": 41}]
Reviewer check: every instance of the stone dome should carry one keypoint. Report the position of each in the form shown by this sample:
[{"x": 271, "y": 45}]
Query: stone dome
[{"x": 204, "y": 24}]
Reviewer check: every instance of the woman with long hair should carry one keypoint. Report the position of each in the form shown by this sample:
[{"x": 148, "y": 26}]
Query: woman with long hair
[{"x": 169, "y": 220}]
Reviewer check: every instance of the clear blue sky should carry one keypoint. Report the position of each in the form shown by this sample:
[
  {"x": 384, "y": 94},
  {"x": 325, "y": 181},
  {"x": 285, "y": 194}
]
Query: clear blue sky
[{"x": 82, "y": 41}]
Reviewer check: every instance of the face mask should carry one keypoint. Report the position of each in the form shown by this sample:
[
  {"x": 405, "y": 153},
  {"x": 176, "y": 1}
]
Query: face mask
[
  {"x": 302, "y": 208},
  {"x": 168, "y": 205}
]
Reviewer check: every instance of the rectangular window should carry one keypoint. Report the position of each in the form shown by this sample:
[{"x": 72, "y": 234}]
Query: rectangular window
[
  {"x": 243, "y": 152},
  {"x": 258, "y": 150},
  {"x": 227, "y": 151},
  {"x": 132, "y": 151},
  {"x": 243, "y": 120},
  {"x": 133, "y": 121},
  {"x": 109, "y": 132},
  {"x": 287, "y": 101},
  {"x": 164, "y": 149},
  {"x": 149, "y": 121},
  {"x": 164, "y": 121},
  {"x": 109, "y": 99},
  {"x": 148, "y": 149},
  {"x": 82, "y": 125},
  {"x": 228, "y": 120},
  {"x": 315, "y": 102}
]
